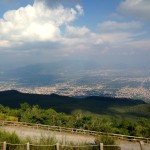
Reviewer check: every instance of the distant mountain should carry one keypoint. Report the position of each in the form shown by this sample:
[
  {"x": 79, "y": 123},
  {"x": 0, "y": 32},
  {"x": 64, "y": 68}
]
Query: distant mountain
[
  {"x": 66, "y": 67},
  {"x": 93, "y": 104}
]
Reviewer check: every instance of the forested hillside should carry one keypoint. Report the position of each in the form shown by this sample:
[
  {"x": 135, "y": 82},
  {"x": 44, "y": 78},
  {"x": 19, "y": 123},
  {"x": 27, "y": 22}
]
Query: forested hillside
[
  {"x": 97, "y": 105},
  {"x": 124, "y": 116},
  {"x": 78, "y": 119}
]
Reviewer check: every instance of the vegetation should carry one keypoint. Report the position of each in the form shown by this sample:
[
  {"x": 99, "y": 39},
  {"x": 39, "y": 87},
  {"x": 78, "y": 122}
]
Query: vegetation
[
  {"x": 93, "y": 104},
  {"x": 78, "y": 119},
  {"x": 9, "y": 137},
  {"x": 50, "y": 143},
  {"x": 121, "y": 116},
  {"x": 106, "y": 140}
]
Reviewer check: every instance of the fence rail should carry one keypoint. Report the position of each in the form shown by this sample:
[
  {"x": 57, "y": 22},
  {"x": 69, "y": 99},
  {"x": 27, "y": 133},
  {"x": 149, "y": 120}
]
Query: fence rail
[
  {"x": 73, "y": 130},
  {"x": 57, "y": 146}
]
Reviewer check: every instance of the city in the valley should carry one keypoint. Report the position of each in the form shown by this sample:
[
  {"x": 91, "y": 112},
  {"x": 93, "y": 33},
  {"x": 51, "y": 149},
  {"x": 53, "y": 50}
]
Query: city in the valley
[{"x": 114, "y": 83}]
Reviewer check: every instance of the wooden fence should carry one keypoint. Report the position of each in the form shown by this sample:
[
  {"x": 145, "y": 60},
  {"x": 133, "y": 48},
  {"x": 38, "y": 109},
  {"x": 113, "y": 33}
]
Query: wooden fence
[
  {"x": 57, "y": 146},
  {"x": 73, "y": 130}
]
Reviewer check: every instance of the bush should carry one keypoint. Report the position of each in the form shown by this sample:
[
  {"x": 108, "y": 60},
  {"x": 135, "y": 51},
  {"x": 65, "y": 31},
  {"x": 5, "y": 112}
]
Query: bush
[
  {"x": 9, "y": 137},
  {"x": 106, "y": 140}
]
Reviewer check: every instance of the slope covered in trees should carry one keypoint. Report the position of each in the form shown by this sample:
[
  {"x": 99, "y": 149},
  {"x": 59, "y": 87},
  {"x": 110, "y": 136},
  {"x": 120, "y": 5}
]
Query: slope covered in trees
[
  {"x": 124, "y": 116},
  {"x": 78, "y": 119},
  {"x": 97, "y": 105}
]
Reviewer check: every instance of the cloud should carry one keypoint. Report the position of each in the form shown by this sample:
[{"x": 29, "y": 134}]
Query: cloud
[
  {"x": 115, "y": 38},
  {"x": 37, "y": 23},
  {"x": 39, "y": 32},
  {"x": 108, "y": 26},
  {"x": 136, "y": 8},
  {"x": 4, "y": 43},
  {"x": 82, "y": 39},
  {"x": 77, "y": 31},
  {"x": 79, "y": 9},
  {"x": 139, "y": 45}
]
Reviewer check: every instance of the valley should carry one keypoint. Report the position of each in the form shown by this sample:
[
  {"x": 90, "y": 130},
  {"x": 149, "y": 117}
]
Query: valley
[{"x": 113, "y": 83}]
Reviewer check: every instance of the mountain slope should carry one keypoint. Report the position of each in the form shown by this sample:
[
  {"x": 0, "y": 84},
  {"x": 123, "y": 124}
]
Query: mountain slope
[{"x": 97, "y": 105}]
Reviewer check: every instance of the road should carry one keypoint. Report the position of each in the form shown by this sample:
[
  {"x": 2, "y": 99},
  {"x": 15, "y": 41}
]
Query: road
[{"x": 66, "y": 138}]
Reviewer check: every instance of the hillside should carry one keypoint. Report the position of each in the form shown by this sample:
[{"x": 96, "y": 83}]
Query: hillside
[
  {"x": 106, "y": 114},
  {"x": 96, "y": 105}
]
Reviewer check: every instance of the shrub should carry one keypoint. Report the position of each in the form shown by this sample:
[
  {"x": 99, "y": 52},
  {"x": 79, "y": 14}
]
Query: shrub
[
  {"x": 9, "y": 137},
  {"x": 106, "y": 140}
]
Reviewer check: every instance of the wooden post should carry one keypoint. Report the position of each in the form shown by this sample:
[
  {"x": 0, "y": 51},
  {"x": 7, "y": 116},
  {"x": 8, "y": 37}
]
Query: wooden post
[
  {"x": 59, "y": 129},
  {"x": 28, "y": 146},
  {"x": 3, "y": 123},
  {"x": 142, "y": 145},
  {"x": 101, "y": 146},
  {"x": 57, "y": 146},
  {"x": 4, "y": 145}
]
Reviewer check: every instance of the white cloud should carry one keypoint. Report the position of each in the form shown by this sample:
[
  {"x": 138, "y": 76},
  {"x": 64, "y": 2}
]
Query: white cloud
[
  {"x": 137, "y": 8},
  {"x": 79, "y": 39},
  {"x": 114, "y": 38},
  {"x": 119, "y": 26},
  {"x": 80, "y": 9},
  {"x": 4, "y": 43},
  {"x": 48, "y": 31},
  {"x": 35, "y": 23},
  {"x": 77, "y": 31}
]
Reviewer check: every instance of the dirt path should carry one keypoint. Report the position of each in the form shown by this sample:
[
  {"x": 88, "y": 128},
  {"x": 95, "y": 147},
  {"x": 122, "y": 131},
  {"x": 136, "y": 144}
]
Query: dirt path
[
  {"x": 66, "y": 138},
  {"x": 35, "y": 134},
  {"x": 125, "y": 145}
]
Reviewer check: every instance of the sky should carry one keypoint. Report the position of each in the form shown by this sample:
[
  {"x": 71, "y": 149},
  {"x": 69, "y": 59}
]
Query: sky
[{"x": 100, "y": 31}]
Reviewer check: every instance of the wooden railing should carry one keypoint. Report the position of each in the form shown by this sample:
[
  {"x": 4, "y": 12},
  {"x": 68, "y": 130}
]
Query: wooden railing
[
  {"x": 57, "y": 146},
  {"x": 73, "y": 130}
]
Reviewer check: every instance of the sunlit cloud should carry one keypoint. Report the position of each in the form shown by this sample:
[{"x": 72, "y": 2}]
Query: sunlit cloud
[
  {"x": 36, "y": 23},
  {"x": 50, "y": 30}
]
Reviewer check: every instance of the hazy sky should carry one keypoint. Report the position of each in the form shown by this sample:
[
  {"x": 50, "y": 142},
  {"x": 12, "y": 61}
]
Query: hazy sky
[{"x": 35, "y": 31}]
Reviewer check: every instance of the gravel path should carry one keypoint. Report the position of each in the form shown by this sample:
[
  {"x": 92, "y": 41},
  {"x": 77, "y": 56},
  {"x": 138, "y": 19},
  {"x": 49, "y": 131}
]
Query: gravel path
[{"x": 66, "y": 138}]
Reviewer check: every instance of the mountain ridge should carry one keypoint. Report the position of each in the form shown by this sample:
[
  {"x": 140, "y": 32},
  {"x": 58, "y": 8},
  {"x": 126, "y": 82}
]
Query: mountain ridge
[{"x": 93, "y": 104}]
